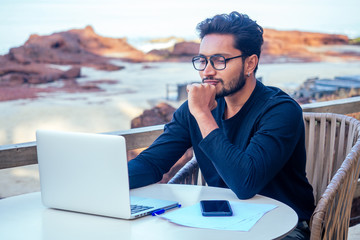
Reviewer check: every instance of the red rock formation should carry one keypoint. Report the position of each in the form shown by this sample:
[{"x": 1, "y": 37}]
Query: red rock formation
[
  {"x": 13, "y": 73},
  {"x": 160, "y": 114},
  {"x": 279, "y": 46},
  {"x": 29, "y": 64},
  {"x": 106, "y": 46},
  {"x": 181, "y": 51},
  {"x": 304, "y": 38},
  {"x": 297, "y": 45},
  {"x": 185, "y": 49},
  {"x": 73, "y": 47}
]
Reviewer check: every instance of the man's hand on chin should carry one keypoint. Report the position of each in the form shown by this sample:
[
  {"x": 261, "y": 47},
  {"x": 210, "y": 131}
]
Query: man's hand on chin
[{"x": 201, "y": 100}]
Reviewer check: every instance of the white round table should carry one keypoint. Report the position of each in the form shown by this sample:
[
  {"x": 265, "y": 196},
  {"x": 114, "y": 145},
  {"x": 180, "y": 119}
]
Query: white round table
[{"x": 24, "y": 217}]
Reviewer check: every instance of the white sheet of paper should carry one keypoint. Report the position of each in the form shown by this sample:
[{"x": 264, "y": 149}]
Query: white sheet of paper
[{"x": 245, "y": 215}]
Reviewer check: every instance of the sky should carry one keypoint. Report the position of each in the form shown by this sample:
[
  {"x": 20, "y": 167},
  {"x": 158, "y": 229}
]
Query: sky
[{"x": 164, "y": 18}]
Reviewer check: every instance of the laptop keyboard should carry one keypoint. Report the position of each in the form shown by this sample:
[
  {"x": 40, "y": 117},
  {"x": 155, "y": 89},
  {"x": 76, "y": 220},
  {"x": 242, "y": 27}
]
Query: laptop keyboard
[{"x": 139, "y": 208}]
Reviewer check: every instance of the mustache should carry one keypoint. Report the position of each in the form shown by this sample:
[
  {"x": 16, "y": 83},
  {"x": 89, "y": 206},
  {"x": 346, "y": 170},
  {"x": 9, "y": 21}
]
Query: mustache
[{"x": 211, "y": 78}]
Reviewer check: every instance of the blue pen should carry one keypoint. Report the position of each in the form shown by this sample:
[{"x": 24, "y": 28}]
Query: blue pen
[{"x": 158, "y": 212}]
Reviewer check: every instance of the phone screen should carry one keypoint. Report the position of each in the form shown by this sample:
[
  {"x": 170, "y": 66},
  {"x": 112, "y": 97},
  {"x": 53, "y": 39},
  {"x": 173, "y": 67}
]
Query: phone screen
[{"x": 215, "y": 208}]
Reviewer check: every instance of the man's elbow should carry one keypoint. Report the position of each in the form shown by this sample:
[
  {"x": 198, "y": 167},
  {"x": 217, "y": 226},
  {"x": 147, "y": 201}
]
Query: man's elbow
[
  {"x": 245, "y": 190},
  {"x": 243, "y": 195}
]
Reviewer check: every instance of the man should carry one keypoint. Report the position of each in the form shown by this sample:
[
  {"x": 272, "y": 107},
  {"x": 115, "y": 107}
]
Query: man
[{"x": 246, "y": 136}]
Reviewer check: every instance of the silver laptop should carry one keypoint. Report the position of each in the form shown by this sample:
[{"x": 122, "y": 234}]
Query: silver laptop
[{"x": 85, "y": 172}]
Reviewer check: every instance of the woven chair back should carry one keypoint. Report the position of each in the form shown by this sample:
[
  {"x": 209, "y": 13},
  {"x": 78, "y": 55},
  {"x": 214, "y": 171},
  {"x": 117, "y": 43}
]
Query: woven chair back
[{"x": 333, "y": 152}]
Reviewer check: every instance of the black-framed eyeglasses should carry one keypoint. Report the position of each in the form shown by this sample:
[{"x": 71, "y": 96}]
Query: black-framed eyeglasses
[{"x": 217, "y": 61}]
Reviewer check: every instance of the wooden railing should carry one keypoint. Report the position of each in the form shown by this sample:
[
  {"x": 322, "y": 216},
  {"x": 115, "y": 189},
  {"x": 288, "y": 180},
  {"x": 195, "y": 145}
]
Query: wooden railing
[
  {"x": 16, "y": 155},
  {"x": 341, "y": 106}
]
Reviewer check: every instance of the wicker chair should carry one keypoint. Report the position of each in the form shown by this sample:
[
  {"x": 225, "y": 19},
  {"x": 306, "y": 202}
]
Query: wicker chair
[{"x": 333, "y": 165}]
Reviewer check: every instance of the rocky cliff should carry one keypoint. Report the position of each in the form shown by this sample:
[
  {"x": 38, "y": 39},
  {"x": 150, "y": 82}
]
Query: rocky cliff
[
  {"x": 279, "y": 46},
  {"x": 76, "y": 46},
  {"x": 298, "y": 46},
  {"x": 31, "y": 62}
]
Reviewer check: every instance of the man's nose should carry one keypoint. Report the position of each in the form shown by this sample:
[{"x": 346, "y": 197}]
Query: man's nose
[{"x": 209, "y": 70}]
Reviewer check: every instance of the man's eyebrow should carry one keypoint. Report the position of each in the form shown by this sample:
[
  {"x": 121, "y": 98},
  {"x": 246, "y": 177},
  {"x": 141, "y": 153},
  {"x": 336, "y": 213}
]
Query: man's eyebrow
[{"x": 221, "y": 54}]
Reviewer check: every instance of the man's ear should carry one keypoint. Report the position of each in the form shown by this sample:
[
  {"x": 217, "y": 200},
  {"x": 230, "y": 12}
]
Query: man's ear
[{"x": 250, "y": 64}]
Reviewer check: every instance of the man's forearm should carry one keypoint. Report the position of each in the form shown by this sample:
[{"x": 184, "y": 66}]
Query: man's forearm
[
  {"x": 206, "y": 123},
  {"x": 140, "y": 174}
]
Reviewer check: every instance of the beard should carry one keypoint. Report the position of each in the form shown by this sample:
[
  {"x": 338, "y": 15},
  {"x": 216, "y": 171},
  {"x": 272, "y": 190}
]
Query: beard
[{"x": 234, "y": 85}]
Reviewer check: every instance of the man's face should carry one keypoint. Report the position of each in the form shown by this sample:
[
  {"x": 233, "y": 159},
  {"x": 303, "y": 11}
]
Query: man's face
[{"x": 232, "y": 78}]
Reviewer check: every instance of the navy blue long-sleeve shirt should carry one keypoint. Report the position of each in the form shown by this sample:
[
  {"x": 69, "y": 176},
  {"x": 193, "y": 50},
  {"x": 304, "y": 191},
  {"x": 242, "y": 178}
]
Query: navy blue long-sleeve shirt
[{"x": 260, "y": 150}]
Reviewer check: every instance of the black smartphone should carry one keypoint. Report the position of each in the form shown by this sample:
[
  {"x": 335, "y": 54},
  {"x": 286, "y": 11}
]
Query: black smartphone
[{"x": 215, "y": 208}]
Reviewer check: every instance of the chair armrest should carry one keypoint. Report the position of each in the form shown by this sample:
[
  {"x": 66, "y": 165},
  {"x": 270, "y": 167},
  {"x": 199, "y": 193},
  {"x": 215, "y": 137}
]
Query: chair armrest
[{"x": 188, "y": 174}]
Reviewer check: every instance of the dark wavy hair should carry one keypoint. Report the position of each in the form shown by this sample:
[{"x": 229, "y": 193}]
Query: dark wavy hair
[{"x": 247, "y": 33}]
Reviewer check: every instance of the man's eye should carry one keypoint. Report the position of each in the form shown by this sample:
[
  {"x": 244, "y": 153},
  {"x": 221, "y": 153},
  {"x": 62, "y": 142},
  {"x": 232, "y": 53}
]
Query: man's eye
[{"x": 219, "y": 61}]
